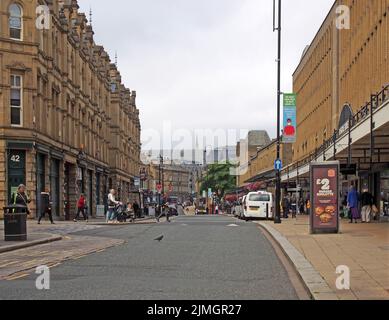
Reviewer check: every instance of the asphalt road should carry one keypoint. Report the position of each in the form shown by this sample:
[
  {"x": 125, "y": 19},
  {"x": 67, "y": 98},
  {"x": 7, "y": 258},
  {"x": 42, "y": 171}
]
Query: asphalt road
[{"x": 198, "y": 258}]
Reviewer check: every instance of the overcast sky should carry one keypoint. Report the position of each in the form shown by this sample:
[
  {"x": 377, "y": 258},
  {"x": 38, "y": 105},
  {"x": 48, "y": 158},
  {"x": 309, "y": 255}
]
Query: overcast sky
[{"x": 205, "y": 64}]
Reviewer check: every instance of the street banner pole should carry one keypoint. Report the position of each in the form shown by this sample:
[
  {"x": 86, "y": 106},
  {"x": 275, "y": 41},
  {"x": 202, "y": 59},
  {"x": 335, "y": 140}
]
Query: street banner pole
[{"x": 277, "y": 218}]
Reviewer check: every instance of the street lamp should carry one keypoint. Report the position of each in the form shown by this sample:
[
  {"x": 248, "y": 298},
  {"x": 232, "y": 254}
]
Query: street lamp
[{"x": 277, "y": 218}]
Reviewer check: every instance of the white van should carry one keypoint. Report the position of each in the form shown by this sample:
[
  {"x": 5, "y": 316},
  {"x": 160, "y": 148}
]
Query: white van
[{"x": 258, "y": 205}]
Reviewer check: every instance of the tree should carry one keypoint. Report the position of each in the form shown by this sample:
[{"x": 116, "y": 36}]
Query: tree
[{"x": 219, "y": 177}]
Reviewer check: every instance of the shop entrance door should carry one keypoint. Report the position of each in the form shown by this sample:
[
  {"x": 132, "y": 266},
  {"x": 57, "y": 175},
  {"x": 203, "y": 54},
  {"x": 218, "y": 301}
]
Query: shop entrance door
[
  {"x": 54, "y": 177},
  {"x": 16, "y": 171},
  {"x": 40, "y": 180}
]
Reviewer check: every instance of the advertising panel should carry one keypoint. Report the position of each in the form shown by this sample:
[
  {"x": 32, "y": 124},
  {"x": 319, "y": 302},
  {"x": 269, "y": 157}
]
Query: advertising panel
[{"x": 325, "y": 197}]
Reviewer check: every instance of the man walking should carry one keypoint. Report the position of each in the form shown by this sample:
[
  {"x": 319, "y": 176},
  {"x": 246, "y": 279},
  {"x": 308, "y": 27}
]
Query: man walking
[
  {"x": 164, "y": 210},
  {"x": 46, "y": 207},
  {"x": 286, "y": 206},
  {"x": 136, "y": 208},
  {"x": 81, "y": 204},
  {"x": 367, "y": 203}
]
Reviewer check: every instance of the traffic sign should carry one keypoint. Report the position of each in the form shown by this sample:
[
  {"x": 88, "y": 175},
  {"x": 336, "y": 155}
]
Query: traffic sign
[
  {"x": 159, "y": 188},
  {"x": 278, "y": 165}
]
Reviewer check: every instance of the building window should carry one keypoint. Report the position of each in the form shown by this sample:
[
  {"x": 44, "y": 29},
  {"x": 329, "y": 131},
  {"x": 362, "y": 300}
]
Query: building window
[
  {"x": 16, "y": 100},
  {"x": 15, "y": 21}
]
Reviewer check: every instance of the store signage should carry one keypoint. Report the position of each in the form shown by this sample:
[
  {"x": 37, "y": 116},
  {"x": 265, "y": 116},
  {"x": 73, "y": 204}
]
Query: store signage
[
  {"x": 290, "y": 118},
  {"x": 324, "y": 217}
]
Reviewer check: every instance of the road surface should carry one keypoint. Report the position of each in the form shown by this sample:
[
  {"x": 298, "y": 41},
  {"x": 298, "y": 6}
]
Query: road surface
[{"x": 203, "y": 257}]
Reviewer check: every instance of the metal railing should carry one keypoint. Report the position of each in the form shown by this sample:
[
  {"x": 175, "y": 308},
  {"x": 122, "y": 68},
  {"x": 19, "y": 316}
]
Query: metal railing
[{"x": 377, "y": 100}]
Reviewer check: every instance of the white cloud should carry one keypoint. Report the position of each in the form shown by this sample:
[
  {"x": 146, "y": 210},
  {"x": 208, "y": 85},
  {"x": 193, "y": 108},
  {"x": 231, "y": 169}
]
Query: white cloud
[{"x": 205, "y": 63}]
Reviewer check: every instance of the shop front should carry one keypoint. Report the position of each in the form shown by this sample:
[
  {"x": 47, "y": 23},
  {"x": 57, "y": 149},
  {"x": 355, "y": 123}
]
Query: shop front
[
  {"x": 16, "y": 170},
  {"x": 384, "y": 193}
]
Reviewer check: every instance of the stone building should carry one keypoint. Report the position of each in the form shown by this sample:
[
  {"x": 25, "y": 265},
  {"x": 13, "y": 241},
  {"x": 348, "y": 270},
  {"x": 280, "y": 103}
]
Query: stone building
[
  {"x": 259, "y": 170},
  {"x": 67, "y": 123},
  {"x": 178, "y": 180}
]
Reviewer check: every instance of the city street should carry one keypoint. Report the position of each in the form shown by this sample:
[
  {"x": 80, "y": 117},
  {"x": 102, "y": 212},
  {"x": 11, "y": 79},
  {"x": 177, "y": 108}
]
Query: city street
[{"x": 202, "y": 257}]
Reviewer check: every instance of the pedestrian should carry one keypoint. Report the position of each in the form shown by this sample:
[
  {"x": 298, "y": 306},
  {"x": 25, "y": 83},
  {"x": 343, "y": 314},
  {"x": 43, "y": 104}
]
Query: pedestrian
[
  {"x": 45, "y": 207},
  {"x": 293, "y": 206},
  {"x": 352, "y": 204},
  {"x": 302, "y": 206},
  {"x": 136, "y": 208},
  {"x": 286, "y": 206},
  {"x": 164, "y": 211},
  {"x": 130, "y": 212},
  {"x": 21, "y": 199},
  {"x": 112, "y": 203},
  {"x": 367, "y": 202},
  {"x": 81, "y": 208}
]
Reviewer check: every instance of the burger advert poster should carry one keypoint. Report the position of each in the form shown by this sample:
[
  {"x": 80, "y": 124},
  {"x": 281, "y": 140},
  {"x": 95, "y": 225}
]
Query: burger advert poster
[{"x": 325, "y": 193}]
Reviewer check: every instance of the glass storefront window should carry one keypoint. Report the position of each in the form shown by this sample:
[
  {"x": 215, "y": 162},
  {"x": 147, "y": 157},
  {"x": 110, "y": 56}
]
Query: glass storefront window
[{"x": 385, "y": 192}]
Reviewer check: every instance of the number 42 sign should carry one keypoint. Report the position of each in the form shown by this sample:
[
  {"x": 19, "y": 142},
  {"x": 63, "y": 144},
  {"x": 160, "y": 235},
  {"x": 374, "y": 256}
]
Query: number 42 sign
[{"x": 15, "y": 158}]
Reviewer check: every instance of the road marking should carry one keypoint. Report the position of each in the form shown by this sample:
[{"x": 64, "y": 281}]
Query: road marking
[
  {"x": 232, "y": 225},
  {"x": 184, "y": 225},
  {"x": 9, "y": 264},
  {"x": 16, "y": 277}
]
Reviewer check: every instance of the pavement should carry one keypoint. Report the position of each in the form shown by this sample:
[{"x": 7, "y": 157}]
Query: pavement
[
  {"x": 203, "y": 257},
  {"x": 364, "y": 248}
]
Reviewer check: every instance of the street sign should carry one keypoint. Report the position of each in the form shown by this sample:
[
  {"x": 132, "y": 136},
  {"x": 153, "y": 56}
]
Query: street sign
[
  {"x": 137, "y": 182},
  {"x": 209, "y": 193},
  {"x": 278, "y": 165}
]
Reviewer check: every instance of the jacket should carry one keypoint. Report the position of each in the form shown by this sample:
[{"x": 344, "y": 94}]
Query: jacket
[{"x": 352, "y": 199}]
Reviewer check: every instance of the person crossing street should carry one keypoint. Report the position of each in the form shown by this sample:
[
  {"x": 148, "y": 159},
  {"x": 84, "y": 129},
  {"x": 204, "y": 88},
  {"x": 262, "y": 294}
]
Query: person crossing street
[{"x": 81, "y": 208}]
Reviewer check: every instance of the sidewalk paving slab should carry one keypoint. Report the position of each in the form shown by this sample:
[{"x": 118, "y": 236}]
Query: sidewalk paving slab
[
  {"x": 32, "y": 240},
  {"x": 361, "y": 247}
]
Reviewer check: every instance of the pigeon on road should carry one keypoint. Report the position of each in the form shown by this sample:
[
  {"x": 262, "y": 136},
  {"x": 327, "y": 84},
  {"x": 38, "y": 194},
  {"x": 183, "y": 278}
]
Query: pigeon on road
[{"x": 159, "y": 239}]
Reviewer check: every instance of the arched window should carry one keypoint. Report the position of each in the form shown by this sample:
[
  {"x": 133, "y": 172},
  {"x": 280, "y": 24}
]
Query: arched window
[{"x": 15, "y": 21}]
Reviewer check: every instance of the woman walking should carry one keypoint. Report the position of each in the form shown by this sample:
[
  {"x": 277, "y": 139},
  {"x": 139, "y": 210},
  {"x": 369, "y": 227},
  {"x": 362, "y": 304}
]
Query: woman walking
[
  {"x": 352, "y": 203},
  {"x": 112, "y": 203},
  {"x": 81, "y": 204}
]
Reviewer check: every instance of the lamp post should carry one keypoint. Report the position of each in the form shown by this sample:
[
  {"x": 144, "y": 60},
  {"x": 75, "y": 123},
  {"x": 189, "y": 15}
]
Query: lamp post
[
  {"x": 277, "y": 218},
  {"x": 160, "y": 173}
]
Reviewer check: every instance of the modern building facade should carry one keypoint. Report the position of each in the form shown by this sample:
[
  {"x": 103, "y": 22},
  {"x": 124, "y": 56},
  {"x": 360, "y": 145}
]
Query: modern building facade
[
  {"x": 342, "y": 87},
  {"x": 339, "y": 67},
  {"x": 67, "y": 123}
]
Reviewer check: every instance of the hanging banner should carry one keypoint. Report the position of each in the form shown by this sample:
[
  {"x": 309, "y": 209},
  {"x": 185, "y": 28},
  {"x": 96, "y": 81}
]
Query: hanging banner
[
  {"x": 290, "y": 118},
  {"x": 324, "y": 215}
]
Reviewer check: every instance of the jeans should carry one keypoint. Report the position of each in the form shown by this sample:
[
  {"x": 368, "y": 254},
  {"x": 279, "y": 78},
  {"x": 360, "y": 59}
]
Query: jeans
[
  {"x": 110, "y": 214},
  {"x": 82, "y": 211}
]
